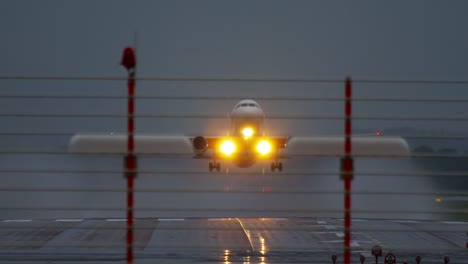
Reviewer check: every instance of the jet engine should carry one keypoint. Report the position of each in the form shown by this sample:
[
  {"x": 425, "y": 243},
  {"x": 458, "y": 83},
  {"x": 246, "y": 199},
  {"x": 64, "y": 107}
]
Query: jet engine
[{"x": 200, "y": 145}]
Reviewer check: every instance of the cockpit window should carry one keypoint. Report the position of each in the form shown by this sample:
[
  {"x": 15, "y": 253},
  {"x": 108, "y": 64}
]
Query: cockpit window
[{"x": 247, "y": 105}]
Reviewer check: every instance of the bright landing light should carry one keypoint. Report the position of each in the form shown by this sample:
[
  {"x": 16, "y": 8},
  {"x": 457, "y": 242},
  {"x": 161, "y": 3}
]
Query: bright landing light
[
  {"x": 228, "y": 147},
  {"x": 264, "y": 147},
  {"x": 247, "y": 132}
]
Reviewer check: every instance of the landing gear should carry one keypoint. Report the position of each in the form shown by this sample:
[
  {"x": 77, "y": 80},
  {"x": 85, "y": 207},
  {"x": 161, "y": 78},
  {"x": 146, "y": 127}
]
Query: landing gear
[
  {"x": 214, "y": 165},
  {"x": 277, "y": 165}
]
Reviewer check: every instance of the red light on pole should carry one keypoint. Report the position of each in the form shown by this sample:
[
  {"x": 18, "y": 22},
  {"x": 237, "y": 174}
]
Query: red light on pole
[{"x": 128, "y": 58}]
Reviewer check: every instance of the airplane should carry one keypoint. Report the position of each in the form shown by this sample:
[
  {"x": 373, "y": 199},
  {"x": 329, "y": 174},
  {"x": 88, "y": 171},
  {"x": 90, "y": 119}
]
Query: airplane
[{"x": 245, "y": 144}]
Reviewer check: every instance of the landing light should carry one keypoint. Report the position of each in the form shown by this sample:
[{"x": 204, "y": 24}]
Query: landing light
[
  {"x": 247, "y": 132},
  {"x": 227, "y": 147},
  {"x": 264, "y": 147}
]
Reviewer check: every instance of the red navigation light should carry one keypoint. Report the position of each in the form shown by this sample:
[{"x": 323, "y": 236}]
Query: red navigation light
[
  {"x": 128, "y": 58},
  {"x": 378, "y": 133}
]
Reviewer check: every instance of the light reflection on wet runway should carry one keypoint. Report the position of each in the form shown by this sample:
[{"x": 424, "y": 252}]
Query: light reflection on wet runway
[{"x": 227, "y": 240}]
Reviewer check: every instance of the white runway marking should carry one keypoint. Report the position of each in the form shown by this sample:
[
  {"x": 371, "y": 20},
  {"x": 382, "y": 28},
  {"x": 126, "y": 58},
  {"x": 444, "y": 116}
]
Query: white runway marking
[
  {"x": 354, "y": 220},
  {"x": 278, "y": 219},
  {"x": 321, "y": 222},
  {"x": 69, "y": 220},
  {"x": 454, "y": 223},
  {"x": 171, "y": 219},
  {"x": 339, "y": 234},
  {"x": 17, "y": 220},
  {"x": 406, "y": 221},
  {"x": 353, "y": 243},
  {"x": 116, "y": 220}
]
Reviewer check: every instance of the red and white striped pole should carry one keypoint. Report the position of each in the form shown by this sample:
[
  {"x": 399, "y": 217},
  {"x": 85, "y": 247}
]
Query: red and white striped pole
[
  {"x": 347, "y": 167},
  {"x": 129, "y": 62}
]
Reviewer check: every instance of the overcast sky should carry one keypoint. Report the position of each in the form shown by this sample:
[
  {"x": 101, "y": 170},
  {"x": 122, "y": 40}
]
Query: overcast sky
[{"x": 275, "y": 39}]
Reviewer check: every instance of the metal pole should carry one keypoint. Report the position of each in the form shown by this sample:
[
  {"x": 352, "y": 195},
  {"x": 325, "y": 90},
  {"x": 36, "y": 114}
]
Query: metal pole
[
  {"x": 347, "y": 176},
  {"x": 129, "y": 62},
  {"x": 131, "y": 165}
]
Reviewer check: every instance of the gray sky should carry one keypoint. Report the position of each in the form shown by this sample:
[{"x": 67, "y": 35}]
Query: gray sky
[
  {"x": 398, "y": 39},
  {"x": 362, "y": 39}
]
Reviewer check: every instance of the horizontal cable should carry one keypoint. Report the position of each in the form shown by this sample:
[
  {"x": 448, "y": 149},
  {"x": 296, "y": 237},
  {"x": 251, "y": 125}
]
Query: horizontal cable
[
  {"x": 253, "y": 173},
  {"x": 184, "y": 154},
  {"x": 233, "y": 98},
  {"x": 38, "y": 133},
  {"x": 232, "y": 191},
  {"x": 215, "y": 254},
  {"x": 285, "y": 173},
  {"x": 227, "y": 79},
  {"x": 230, "y": 210},
  {"x": 71, "y": 133},
  {"x": 168, "y": 78},
  {"x": 82, "y": 244},
  {"x": 210, "y": 116},
  {"x": 122, "y": 226}
]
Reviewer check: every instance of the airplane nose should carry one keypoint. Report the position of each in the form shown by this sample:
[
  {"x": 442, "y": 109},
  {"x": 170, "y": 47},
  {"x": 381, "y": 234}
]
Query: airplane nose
[{"x": 245, "y": 112}]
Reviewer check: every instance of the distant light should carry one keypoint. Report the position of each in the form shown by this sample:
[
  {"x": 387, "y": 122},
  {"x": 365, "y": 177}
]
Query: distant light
[
  {"x": 378, "y": 133},
  {"x": 227, "y": 147},
  {"x": 438, "y": 200},
  {"x": 264, "y": 147},
  {"x": 247, "y": 132}
]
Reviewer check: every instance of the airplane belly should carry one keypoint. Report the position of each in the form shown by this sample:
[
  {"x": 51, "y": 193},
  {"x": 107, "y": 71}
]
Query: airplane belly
[{"x": 245, "y": 159}]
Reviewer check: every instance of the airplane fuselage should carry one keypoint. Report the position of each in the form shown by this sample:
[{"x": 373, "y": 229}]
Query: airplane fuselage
[
  {"x": 247, "y": 119},
  {"x": 246, "y": 142}
]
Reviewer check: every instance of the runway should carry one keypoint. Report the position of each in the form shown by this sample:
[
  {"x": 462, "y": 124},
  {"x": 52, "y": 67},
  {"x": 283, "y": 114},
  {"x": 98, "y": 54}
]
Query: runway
[{"x": 228, "y": 240}]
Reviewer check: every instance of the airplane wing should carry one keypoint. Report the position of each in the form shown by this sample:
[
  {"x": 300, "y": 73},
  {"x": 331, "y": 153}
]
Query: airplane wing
[
  {"x": 376, "y": 146},
  {"x": 152, "y": 144},
  {"x": 117, "y": 144},
  {"x": 287, "y": 146}
]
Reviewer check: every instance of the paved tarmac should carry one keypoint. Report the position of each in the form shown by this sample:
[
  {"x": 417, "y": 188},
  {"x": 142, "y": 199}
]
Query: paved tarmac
[{"x": 228, "y": 240}]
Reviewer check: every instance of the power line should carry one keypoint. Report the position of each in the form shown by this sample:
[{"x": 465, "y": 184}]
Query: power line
[{"x": 227, "y": 79}]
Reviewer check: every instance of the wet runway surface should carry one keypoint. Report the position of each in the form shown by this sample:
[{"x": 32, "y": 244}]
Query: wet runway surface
[{"x": 228, "y": 240}]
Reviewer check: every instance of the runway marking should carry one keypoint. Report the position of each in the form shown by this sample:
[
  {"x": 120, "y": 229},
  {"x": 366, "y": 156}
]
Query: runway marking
[
  {"x": 454, "y": 223},
  {"x": 322, "y": 222},
  {"x": 17, "y": 220},
  {"x": 406, "y": 221},
  {"x": 171, "y": 219},
  {"x": 247, "y": 234},
  {"x": 116, "y": 220},
  {"x": 354, "y": 220},
  {"x": 69, "y": 220},
  {"x": 353, "y": 243},
  {"x": 339, "y": 234},
  {"x": 318, "y": 226}
]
